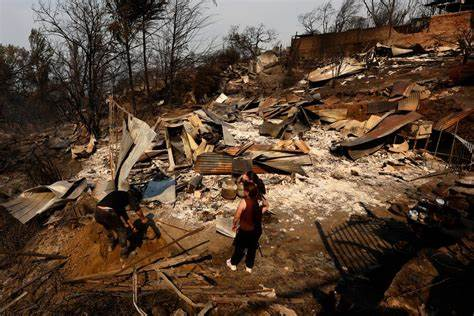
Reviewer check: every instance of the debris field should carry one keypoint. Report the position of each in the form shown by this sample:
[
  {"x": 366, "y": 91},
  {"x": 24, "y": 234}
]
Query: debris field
[{"x": 368, "y": 176}]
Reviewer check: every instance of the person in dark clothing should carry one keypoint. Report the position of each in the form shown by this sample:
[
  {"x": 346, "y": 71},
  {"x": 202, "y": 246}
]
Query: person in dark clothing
[
  {"x": 111, "y": 212},
  {"x": 248, "y": 218}
]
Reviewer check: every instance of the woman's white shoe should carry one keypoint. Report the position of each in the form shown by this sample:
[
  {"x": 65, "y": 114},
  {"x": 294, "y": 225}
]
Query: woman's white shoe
[{"x": 231, "y": 266}]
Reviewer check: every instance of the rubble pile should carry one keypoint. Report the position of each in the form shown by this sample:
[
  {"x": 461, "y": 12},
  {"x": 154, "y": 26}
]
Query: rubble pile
[{"x": 332, "y": 147}]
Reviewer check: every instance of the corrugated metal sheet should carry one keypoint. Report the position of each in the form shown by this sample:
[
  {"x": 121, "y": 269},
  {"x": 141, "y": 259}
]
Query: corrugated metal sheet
[
  {"x": 402, "y": 88},
  {"x": 282, "y": 166},
  {"x": 136, "y": 138},
  {"x": 349, "y": 66},
  {"x": 451, "y": 119},
  {"x": 217, "y": 164},
  {"x": 388, "y": 126},
  {"x": 356, "y": 153},
  {"x": 411, "y": 103},
  {"x": 37, "y": 200},
  {"x": 271, "y": 129},
  {"x": 381, "y": 106},
  {"x": 233, "y": 151},
  {"x": 469, "y": 146}
]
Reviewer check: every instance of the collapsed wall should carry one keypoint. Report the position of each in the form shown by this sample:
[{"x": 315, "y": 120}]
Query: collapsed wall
[{"x": 439, "y": 30}]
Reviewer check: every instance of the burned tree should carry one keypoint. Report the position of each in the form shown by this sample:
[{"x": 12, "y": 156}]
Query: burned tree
[
  {"x": 309, "y": 21},
  {"x": 14, "y": 69},
  {"x": 124, "y": 27},
  {"x": 317, "y": 20},
  {"x": 177, "y": 44},
  {"x": 251, "y": 40},
  {"x": 150, "y": 12},
  {"x": 389, "y": 12},
  {"x": 346, "y": 15},
  {"x": 41, "y": 55},
  {"x": 77, "y": 30}
]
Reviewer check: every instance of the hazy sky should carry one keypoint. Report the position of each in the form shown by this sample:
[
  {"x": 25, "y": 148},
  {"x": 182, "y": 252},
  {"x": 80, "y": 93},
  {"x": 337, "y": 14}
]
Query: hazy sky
[{"x": 16, "y": 17}]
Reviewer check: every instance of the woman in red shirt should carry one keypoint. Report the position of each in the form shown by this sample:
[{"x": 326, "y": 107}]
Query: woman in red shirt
[{"x": 248, "y": 224}]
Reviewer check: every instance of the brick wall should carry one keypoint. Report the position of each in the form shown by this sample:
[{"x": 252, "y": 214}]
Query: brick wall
[{"x": 439, "y": 30}]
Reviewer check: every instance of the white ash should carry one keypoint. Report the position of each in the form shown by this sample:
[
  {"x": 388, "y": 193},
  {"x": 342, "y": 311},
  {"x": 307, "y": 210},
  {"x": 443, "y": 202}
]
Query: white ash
[{"x": 319, "y": 196}]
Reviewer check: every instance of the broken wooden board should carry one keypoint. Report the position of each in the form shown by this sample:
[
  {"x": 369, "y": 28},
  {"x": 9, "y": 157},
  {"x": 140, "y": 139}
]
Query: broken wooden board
[
  {"x": 200, "y": 150},
  {"x": 399, "y": 148},
  {"x": 179, "y": 150},
  {"x": 243, "y": 148},
  {"x": 371, "y": 123},
  {"x": 332, "y": 115}
]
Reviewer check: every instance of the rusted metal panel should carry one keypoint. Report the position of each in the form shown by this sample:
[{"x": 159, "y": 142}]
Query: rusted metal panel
[
  {"x": 402, "y": 88},
  {"x": 218, "y": 164},
  {"x": 451, "y": 119},
  {"x": 411, "y": 103},
  {"x": 381, "y": 106},
  {"x": 268, "y": 103},
  {"x": 388, "y": 126},
  {"x": 234, "y": 151},
  {"x": 271, "y": 129},
  {"x": 222, "y": 164},
  {"x": 282, "y": 166},
  {"x": 356, "y": 153},
  {"x": 241, "y": 165}
]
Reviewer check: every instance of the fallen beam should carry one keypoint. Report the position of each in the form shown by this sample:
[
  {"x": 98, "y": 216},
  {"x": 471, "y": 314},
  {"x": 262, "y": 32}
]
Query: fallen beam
[
  {"x": 33, "y": 254},
  {"x": 22, "y": 295},
  {"x": 177, "y": 291},
  {"x": 19, "y": 289}
]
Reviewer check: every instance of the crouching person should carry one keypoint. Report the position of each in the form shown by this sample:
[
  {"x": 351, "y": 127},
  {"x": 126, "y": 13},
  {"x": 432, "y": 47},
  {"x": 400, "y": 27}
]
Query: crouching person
[
  {"x": 111, "y": 213},
  {"x": 248, "y": 224}
]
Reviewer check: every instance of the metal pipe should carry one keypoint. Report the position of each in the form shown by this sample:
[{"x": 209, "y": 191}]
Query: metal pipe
[
  {"x": 437, "y": 144},
  {"x": 452, "y": 145}
]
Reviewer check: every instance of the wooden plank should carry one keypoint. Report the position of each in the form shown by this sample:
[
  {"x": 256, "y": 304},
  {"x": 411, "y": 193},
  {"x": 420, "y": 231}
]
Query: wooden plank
[
  {"x": 56, "y": 267},
  {"x": 33, "y": 254},
  {"x": 22, "y": 295},
  {"x": 177, "y": 291},
  {"x": 302, "y": 146}
]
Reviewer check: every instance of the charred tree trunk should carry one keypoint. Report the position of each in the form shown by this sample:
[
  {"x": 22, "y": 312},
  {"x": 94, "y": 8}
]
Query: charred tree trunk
[
  {"x": 130, "y": 76},
  {"x": 145, "y": 62}
]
